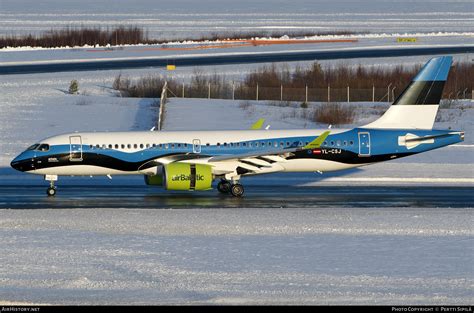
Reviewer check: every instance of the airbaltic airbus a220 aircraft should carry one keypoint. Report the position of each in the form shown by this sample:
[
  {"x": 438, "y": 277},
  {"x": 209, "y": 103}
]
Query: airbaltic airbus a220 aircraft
[{"x": 191, "y": 160}]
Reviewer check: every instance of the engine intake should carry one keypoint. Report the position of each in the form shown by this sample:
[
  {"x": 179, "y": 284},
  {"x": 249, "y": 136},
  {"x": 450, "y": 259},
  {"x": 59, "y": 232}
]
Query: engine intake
[{"x": 155, "y": 180}]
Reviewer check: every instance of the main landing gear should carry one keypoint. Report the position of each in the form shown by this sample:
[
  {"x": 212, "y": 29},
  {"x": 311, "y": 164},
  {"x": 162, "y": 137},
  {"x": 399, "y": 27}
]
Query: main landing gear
[
  {"x": 51, "y": 191},
  {"x": 235, "y": 189}
]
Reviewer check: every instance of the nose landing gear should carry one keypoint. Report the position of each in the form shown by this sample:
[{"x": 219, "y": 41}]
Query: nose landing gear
[{"x": 51, "y": 191}]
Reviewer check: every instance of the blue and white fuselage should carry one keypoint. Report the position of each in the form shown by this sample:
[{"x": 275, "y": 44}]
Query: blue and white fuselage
[{"x": 131, "y": 152}]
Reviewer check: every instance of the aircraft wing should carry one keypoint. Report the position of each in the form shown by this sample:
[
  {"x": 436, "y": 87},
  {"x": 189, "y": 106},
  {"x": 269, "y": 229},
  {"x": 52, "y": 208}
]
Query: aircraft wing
[
  {"x": 254, "y": 154},
  {"x": 257, "y": 161}
]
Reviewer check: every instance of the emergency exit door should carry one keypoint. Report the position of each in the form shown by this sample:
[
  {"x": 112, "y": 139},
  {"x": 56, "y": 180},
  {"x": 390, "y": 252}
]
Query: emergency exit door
[{"x": 75, "y": 148}]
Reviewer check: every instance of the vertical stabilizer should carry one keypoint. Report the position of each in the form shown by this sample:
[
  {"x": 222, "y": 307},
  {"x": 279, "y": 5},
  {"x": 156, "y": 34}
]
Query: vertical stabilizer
[{"x": 417, "y": 105}]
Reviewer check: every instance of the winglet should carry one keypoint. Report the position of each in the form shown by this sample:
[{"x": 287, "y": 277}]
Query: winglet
[
  {"x": 258, "y": 124},
  {"x": 316, "y": 143}
]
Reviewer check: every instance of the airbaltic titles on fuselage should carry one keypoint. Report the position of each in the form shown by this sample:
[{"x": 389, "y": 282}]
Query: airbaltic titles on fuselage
[{"x": 184, "y": 177}]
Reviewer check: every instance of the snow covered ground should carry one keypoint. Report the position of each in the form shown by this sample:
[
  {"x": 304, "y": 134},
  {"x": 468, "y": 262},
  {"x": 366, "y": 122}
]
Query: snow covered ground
[
  {"x": 237, "y": 256},
  {"x": 27, "y": 55},
  {"x": 306, "y": 255},
  {"x": 312, "y": 255},
  {"x": 184, "y": 18},
  {"x": 377, "y": 24}
]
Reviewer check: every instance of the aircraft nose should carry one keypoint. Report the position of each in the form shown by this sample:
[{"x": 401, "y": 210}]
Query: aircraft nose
[{"x": 18, "y": 164}]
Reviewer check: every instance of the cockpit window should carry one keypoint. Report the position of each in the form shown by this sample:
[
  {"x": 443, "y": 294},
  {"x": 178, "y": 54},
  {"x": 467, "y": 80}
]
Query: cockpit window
[
  {"x": 33, "y": 147},
  {"x": 43, "y": 147}
]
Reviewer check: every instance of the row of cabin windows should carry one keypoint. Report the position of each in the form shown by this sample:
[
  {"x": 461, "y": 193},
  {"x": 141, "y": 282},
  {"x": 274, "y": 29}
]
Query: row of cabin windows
[
  {"x": 339, "y": 143},
  {"x": 185, "y": 145},
  {"x": 252, "y": 144},
  {"x": 136, "y": 146},
  {"x": 331, "y": 143}
]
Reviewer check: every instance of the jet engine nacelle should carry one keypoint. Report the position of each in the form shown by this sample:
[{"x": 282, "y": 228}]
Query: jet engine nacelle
[{"x": 183, "y": 176}]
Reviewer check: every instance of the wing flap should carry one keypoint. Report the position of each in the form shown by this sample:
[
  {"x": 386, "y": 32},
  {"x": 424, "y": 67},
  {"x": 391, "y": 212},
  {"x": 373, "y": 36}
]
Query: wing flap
[{"x": 257, "y": 162}]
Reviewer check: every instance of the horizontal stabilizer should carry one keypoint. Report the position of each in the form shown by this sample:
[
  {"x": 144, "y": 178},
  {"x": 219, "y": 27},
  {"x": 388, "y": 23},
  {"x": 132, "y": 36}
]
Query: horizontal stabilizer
[{"x": 411, "y": 141}]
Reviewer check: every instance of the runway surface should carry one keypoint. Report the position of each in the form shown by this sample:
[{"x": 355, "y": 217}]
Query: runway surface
[
  {"x": 119, "y": 241},
  {"x": 144, "y": 197},
  {"x": 235, "y": 58}
]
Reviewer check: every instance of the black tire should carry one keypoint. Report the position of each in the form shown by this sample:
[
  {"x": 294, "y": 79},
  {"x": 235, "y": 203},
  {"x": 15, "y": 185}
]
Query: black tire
[
  {"x": 51, "y": 192},
  {"x": 237, "y": 190},
  {"x": 223, "y": 186}
]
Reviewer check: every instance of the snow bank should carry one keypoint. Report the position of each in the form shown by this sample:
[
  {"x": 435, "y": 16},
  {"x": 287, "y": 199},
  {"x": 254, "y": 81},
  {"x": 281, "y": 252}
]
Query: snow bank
[{"x": 109, "y": 47}]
